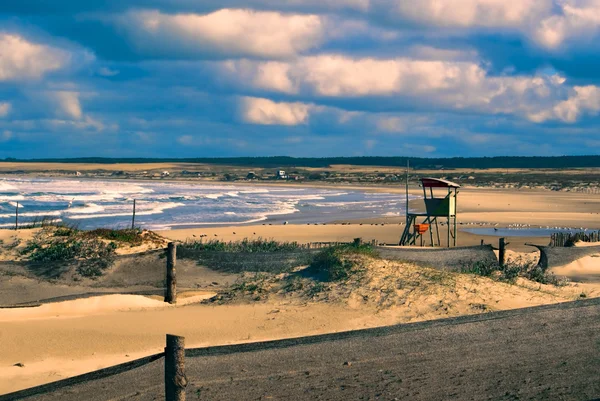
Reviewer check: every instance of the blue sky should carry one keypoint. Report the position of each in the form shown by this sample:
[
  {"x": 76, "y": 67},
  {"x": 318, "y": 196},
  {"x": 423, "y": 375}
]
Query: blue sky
[{"x": 185, "y": 78}]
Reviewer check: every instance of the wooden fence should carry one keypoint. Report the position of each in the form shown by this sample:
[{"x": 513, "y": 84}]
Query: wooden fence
[{"x": 568, "y": 239}]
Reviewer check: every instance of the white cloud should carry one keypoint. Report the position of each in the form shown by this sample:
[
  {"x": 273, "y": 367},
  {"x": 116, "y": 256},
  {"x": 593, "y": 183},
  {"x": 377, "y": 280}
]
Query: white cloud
[
  {"x": 67, "y": 104},
  {"x": 270, "y": 75},
  {"x": 21, "y": 59},
  {"x": 4, "y": 109},
  {"x": 579, "y": 19},
  {"x": 403, "y": 82},
  {"x": 341, "y": 76},
  {"x": 267, "y": 112},
  {"x": 85, "y": 123},
  {"x": 583, "y": 100},
  {"x": 469, "y": 13},
  {"x": 392, "y": 124},
  {"x": 226, "y": 32}
]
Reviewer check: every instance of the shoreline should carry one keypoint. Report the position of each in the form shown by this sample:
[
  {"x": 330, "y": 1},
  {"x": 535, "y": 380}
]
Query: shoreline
[
  {"x": 364, "y": 187},
  {"x": 477, "y": 208}
]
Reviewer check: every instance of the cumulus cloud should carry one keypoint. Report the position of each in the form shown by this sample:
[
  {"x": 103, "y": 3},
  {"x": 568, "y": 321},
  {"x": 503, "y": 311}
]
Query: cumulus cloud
[
  {"x": 403, "y": 83},
  {"x": 336, "y": 75},
  {"x": 22, "y": 59},
  {"x": 469, "y": 13},
  {"x": 400, "y": 81},
  {"x": 267, "y": 112},
  {"x": 583, "y": 100},
  {"x": 549, "y": 23},
  {"x": 579, "y": 19},
  {"x": 226, "y": 32},
  {"x": 4, "y": 109}
]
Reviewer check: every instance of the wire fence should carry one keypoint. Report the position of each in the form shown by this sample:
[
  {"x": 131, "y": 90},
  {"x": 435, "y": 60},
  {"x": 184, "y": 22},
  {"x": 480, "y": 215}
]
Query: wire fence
[{"x": 25, "y": 220}]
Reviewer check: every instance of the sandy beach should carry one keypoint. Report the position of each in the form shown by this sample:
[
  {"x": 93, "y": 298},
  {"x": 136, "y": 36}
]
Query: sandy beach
[
  {"x": 476, "y": 208},
  {"x": 64, "y": 339}
]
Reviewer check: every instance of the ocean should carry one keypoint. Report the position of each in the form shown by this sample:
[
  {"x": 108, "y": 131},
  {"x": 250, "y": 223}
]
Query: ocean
[{"x": 167, "y": 205}]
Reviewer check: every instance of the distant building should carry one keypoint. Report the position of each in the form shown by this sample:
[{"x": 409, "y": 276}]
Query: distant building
[
  {"x": 165, "y": 174},
  {"x": 251, "y": 175},
  {"x": 281, "y": 175},
  {"x": 78, "y": 174}
]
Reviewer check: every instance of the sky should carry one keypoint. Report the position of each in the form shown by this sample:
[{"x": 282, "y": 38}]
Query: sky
[{"x": 313, "y": 78}]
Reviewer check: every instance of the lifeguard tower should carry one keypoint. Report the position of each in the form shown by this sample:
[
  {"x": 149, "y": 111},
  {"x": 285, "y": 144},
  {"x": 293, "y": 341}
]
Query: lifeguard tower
[{"x": 436, "y": 206}]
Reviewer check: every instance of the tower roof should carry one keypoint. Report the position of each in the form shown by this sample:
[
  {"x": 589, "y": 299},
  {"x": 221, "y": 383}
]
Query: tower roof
[{"x": 438, "y": 183}]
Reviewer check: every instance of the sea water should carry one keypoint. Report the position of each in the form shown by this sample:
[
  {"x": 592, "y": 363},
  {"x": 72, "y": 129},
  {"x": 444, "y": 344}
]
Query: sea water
[{"x": 164, "y": 205}]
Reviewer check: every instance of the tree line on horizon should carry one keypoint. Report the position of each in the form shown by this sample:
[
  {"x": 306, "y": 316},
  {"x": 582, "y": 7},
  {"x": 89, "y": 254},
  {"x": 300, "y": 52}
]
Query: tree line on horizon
[{"x": 384, "y": 161}]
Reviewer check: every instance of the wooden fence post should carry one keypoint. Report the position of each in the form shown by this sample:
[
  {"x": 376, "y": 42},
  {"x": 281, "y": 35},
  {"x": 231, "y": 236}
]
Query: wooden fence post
[
  {"x": 133, "y": 217},
  {"x": 171, "y": 293},
  {"x": 175, "y": 378},
  {"x": 17, "y": 217},
  {"x": 502, "y": 250}
]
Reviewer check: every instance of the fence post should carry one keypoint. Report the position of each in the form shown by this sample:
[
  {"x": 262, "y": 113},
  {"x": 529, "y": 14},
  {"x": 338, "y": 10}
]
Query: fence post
[
  {"x": 501, "y": 253},
  {"x": 171, "y": 293},
  {"x": 133, "y": 217},
  {"x": 17, "y": 217},
  {"x": 175, "y": 378},
  {"x": 481, "y": 242}
]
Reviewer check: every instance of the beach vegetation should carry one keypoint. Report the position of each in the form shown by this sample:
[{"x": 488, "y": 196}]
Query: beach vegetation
[
  {"x": 339, "y": 262},
  {"x": 244, "y": 246},
  {"x": 512, "y": 270},
  {"x": 56, "y": 249},
  {"x": 132, "y": 237}
]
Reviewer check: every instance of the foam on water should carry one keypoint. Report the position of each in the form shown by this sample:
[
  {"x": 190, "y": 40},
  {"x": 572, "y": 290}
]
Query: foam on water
[{"x": 97, "y": 203}]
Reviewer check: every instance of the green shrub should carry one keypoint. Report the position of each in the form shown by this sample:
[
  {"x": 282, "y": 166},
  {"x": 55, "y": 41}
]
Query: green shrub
[
  {"x": 90, "y": 255},
  {"x": 132, "y": 237},
  {"x": 512, "y": 270},
  {"x": 481, "y": 268},
  {"x": 336, "y": 263}
]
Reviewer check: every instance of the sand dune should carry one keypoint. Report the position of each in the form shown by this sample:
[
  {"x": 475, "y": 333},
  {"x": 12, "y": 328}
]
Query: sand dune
[
  {"x": 97, "y": 305},
  {"x": 52, "y": 347}
]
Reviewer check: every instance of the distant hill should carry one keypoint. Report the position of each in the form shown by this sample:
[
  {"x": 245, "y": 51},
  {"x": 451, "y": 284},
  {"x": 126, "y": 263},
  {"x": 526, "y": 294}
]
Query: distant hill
[{"x": 415, "y": 162}]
